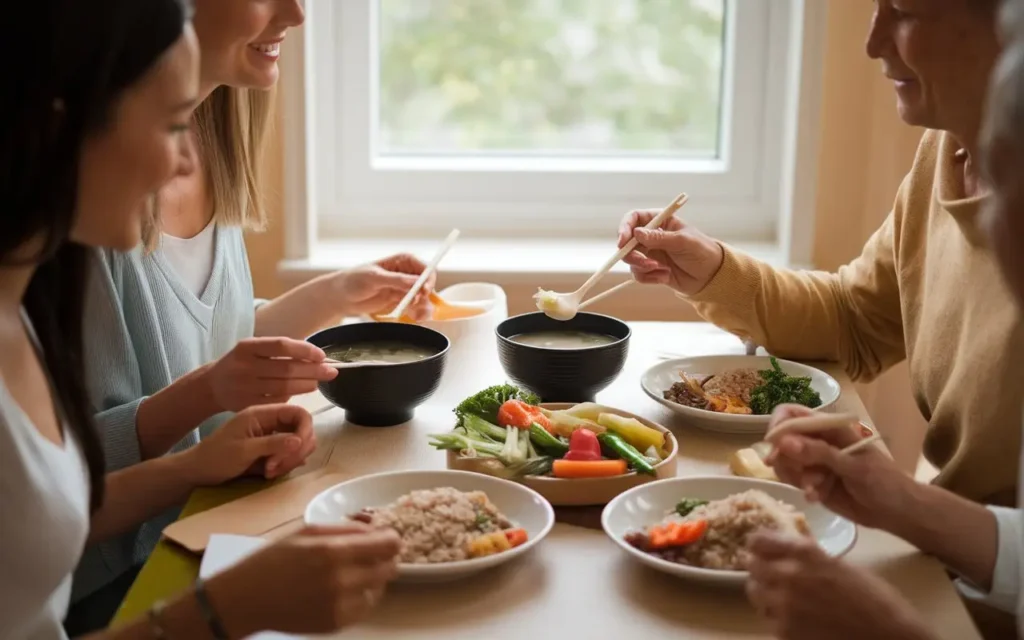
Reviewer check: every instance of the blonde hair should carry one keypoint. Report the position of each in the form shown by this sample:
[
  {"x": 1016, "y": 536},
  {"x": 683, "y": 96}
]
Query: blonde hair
[{"x": 231, "y": 127}]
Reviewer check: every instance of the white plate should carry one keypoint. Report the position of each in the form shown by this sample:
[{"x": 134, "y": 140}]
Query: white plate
[
  {"x": 649, "y": 503},
  {"x": 662, "y": 376},
  {"x": 524, "y": 507}
]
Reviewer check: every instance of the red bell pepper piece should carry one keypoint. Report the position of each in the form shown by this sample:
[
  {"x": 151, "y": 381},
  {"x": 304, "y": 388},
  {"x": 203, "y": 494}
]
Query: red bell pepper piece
[{"x": 583, "y": 446}]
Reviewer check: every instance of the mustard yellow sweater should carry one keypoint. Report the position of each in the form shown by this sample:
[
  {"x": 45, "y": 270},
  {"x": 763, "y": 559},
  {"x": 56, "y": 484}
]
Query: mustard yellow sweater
[{"x": 926, "y": 288}]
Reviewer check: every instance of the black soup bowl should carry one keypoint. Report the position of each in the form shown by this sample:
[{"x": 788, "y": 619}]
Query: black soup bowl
[
  {"x": 383, "y": 395},
  {"x": 563, "y": 375}
]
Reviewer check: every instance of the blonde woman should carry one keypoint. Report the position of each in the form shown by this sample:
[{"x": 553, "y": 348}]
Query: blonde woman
[{"x": 174, "y": 338}]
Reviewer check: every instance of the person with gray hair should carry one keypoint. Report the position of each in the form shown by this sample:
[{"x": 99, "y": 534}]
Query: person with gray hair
[{"x": 807, "y": 594}]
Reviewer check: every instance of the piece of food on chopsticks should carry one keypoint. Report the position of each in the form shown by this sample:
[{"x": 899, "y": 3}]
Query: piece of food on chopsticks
[
  {"x": 743, "y": 391},
  {"x": 509, "y": 435}
]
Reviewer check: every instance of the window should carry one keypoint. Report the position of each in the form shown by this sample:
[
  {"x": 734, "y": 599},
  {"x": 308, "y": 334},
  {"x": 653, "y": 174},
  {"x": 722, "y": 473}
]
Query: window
[{"x": 518, "y": 118}]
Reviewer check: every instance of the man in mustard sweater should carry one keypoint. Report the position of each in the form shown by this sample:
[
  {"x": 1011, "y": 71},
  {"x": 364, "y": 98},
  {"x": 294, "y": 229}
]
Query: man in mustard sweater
[{"x": 926, "y": 287}]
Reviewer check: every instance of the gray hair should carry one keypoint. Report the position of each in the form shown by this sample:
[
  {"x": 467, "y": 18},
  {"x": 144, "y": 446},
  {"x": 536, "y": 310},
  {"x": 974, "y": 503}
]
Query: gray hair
[{"x": 1004, "y": 120}]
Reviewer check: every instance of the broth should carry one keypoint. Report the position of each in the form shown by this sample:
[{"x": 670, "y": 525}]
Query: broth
[
  {"x": 385, "y": 351},
  {"x": 563, "y": 339}
]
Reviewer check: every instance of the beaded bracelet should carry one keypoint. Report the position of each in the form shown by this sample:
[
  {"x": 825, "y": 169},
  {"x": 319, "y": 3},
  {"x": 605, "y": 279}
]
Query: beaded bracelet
[
  {"x": 212, "y": 620},
  {"x": 156, "y": 621}
]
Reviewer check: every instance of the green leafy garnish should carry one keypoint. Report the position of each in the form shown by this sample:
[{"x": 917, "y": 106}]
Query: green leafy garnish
[
  {"x": 482, "y": 520},
  {"x": 686, "y": 505},
  {"x": 782, "y": 388},
  {"x": 486, "y": 403}
]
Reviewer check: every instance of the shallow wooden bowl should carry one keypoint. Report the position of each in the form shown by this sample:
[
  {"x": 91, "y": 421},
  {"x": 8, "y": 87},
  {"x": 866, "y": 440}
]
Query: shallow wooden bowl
[{"x": 591, "y": 491}]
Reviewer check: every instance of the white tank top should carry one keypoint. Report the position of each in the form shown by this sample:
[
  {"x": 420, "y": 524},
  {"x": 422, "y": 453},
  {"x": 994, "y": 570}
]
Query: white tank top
[
  {"x": 191, "y": 258},
  {"x": 44, "y": 522}
]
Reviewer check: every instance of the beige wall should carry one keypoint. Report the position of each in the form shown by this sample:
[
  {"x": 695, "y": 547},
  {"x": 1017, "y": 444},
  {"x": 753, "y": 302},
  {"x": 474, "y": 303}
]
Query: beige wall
[{"x": 865, "y": 152}]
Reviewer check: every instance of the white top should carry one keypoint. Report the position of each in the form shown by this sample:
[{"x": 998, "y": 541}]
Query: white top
[
  {"x": 191, "y": 258},
  {"x": 1007, "y": 579},
  {"x": 44, "y": 522}
]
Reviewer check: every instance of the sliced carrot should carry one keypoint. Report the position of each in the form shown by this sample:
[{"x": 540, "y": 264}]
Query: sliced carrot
[
  {"x": 516, "y": 537},
  {"x": 541, "y": 419},
  {"x": 513, "y": 413},
  {"x": 676, "y": 534},
  {"x": 588, "y": 468},
  {"x": 518, "y": 414}
]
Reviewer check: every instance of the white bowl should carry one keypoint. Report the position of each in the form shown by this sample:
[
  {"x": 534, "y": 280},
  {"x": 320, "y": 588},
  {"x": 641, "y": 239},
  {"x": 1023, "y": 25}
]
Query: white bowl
[
  {"x": 662, "y": 376},
  {"x": 649, "y": 503},
  {"x": 478, "y": 294},
  {"x": 524, "y": 507},
  {"x": 474, "y": 332}
]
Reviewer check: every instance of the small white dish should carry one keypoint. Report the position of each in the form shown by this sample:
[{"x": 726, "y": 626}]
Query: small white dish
[
  {"x": 663, "y": 375},
  {"x": 649, "y": 503},
  {"x": 523, "y": 506},
  {"x": 472, "y": 332}
]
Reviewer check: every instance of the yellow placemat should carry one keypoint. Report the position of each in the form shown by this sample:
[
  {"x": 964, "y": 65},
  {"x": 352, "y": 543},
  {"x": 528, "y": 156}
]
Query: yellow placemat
[{"x": 171, "y": 570}]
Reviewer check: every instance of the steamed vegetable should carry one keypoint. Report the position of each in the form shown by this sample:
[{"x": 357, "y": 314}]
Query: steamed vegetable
[
  {"x": 583, "y": 445},
  {"x": 546, "y": 442},
  {"x": 634, "y": 432},
  {"x": 539, "y": 466},
  {"x": 516, "y": 537},
  {"x": 676, "y": 534},
  {"x": 622, "y": 449},
  {"x": 588, "y": 469},
  {"x": 588, "y": 411},
  {"x": 686, "y": 505},
  {"x": 563, "y": 423},
  {"x": 781, "y": 388},
  {"x": 478, "y": 425},
  {"x": 486, "y": 403},
  {"x": 518, "y": 414},
  {"x": 488, "y": 544}
]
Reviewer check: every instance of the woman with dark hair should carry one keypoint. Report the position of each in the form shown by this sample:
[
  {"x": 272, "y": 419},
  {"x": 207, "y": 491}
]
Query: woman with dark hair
[
  {"x": 90, "y": 129},
  {"x": 176, "y": 339}
]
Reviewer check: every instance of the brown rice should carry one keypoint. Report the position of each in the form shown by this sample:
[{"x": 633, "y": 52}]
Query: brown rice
[
  {"x": 436, "y": 525},
  {"x": 735, "y": 383},
  {"x": 731, "y": 521}
]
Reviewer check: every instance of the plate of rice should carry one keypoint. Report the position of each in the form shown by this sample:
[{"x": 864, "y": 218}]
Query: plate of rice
[
  {"x": 452, "y": 523},
  {"x": 698, "y": 527},
  {"x": 736, "y": 394}
]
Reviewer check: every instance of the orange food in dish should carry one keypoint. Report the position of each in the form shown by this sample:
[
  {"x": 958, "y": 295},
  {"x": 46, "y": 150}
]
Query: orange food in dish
[{"x": 443, "y": 310}]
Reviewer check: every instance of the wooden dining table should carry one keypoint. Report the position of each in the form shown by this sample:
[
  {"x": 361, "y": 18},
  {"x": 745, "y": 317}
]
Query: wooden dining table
[{"x": 577, "y": 583}]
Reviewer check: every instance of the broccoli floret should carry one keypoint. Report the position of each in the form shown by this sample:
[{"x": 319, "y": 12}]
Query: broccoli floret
[
  {"x": 781, "y": 388},
  {"x": 486, "y": 403},
  {"x": 686, "y": 505}
]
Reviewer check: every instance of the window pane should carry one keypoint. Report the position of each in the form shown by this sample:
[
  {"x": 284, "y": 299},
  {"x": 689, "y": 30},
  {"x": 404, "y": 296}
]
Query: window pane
[{"x": 567, "y": 77}]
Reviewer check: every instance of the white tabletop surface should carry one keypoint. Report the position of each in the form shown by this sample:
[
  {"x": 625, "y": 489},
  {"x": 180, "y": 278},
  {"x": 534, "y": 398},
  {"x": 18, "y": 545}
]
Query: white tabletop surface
[{"x": 577, "y": 584}]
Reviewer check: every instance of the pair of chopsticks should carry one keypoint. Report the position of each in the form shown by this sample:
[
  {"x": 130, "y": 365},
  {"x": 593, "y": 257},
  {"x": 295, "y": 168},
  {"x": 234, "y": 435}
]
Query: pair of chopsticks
[
  {"x": 397, "y": 312},
  {"x": 819, "y": 423},
  {"x": 655, "y": 223}
]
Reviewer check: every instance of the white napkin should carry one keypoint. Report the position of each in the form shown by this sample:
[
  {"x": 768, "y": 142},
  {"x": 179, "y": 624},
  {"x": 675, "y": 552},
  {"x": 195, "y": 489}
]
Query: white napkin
[{"x": 224, "y": 551}]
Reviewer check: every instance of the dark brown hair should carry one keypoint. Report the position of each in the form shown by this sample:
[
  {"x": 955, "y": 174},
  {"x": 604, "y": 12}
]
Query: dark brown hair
[{"x": 76, "y": 58}]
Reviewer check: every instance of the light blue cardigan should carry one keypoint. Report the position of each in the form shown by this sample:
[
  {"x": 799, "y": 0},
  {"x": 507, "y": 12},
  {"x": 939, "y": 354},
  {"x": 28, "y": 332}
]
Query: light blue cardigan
[{"x": 143, "y": 330}]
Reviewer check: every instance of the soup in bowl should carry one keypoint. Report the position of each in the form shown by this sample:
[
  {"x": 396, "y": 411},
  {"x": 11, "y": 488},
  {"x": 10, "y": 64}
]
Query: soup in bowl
[
  {"x": 411, "y": 360},
  {"x": 563, "y": 361}
]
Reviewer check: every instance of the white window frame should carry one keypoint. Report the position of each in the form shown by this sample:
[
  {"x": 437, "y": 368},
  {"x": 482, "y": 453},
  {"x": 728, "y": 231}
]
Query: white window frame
[{"x": 761, "y": 190}]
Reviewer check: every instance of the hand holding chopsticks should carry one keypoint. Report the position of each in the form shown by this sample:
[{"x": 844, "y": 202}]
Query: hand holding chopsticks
[{"x": 564, "y": 306}]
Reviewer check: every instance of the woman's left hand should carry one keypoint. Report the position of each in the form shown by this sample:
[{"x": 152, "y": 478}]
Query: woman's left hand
[
  {"x": 268, "y": 440},
  {"x": 806, "y": 594},
  {"x": 378, "y": 287}
]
